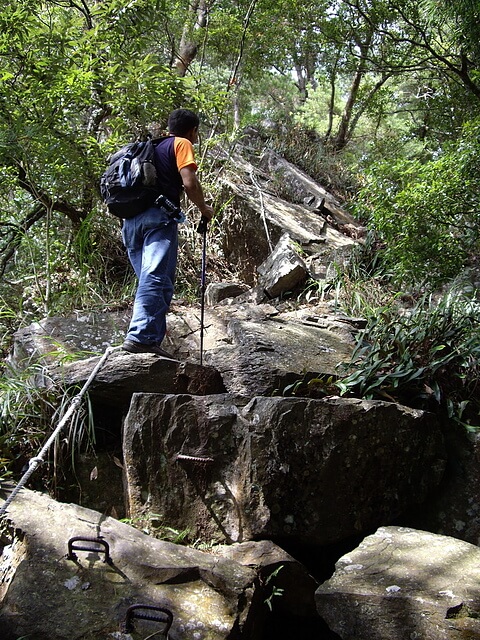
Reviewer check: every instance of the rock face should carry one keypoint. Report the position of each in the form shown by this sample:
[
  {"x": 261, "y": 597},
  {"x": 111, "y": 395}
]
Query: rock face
[
  {"x": 298, "y": 187},
  {"x": 254, "y": 225},
  {"x": 249, "y": 349},
  {"x": 402, "y": 584},
  {"x": 263, "y": 205},
  {"x": 454, "y": 509},
  {"x": 47, "y": 596},
  {"x": 283, "y": 270},
  {"x": 259, "y": 350},
  {"x": 315, "y": 471},
  {"x": 124, "y": 374}
]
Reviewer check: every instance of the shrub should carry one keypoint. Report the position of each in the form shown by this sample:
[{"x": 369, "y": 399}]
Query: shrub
[
  {"x": 31, "y": 406},
  {"x": 427, "y": 213},
  {"x": 426, "y": 355}
]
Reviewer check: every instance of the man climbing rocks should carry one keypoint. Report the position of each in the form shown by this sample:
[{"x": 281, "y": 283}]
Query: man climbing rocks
[{"x": 151, "y": 237}]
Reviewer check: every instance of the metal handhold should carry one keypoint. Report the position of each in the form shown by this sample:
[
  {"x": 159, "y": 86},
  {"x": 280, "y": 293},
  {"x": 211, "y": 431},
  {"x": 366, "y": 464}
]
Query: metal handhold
[
  {"x": 134, "y": 611},
  {"x": 98, "y": 541},
  {"x": 200, "y": 459}
]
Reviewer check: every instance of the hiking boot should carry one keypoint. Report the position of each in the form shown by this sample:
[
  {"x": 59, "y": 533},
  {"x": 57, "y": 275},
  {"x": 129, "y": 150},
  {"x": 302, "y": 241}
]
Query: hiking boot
[{"x": 138, "y": 347}]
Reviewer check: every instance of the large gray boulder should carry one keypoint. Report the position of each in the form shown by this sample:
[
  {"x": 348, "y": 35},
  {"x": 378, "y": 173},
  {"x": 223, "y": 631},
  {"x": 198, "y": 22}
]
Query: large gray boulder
[
  {"x": 404, "y": 584},
  {"x": 47, "y": 596},
  {"x": 124, "y": 374},
  {"x": 249, "y": 349},
  {"x": 454, "y": 510},
  {"x": 259, "y": 350},
  {"x": 261, "y": 209},
  {"x": 284, "y": 269},
  {"x": 312, "y": 471},
  {"x": 61, "y": 339}
]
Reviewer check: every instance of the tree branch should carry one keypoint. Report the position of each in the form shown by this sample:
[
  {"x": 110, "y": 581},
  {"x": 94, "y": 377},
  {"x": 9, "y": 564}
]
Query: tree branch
[
  {"x": 76, "y": 216},
  {"x": 246, "y": 23},
  {"x": 14, "y": 233}
]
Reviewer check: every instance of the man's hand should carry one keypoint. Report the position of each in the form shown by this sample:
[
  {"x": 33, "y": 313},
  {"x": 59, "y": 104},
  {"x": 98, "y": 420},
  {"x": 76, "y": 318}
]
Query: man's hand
[{"x": 207, "y": 212}]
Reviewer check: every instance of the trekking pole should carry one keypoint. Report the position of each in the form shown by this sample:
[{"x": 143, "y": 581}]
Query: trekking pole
[{"x": 202, "y": 229}]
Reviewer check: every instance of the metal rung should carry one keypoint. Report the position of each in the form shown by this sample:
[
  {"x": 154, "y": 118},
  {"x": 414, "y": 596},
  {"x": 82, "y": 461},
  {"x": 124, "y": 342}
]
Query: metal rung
[
  {"x": 134, "y": 611},
  {"x": 98, "y": 541}
]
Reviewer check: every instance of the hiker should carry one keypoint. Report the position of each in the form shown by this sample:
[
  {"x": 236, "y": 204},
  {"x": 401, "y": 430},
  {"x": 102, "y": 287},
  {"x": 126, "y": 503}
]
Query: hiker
[{"x": 151, "y": 237}]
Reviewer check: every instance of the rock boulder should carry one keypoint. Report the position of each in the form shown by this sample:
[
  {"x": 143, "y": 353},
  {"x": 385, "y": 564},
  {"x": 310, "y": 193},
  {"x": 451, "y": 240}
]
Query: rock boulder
[
  {"x": 250, "y": 349},
  {"x": 47, "y": 596},
  {"x": 312, "y": 471},
  {"x": 404, "y": 584}
]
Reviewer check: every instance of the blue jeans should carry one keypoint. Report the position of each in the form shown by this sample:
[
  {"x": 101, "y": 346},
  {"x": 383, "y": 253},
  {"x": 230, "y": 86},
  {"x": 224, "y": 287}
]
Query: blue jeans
[{"x": 151, "y": 240}]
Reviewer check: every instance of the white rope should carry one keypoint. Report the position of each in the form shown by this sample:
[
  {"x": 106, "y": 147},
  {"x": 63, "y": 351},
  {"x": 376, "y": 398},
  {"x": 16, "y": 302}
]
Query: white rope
[
  {"x": 262, "y": 209},
  {"x": 39, "y": 459}
]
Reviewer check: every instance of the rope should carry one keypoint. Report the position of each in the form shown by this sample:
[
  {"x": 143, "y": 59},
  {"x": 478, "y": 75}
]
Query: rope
[
  {"x": 39, "y": 459},
  {"x": 262, "y": 209}
]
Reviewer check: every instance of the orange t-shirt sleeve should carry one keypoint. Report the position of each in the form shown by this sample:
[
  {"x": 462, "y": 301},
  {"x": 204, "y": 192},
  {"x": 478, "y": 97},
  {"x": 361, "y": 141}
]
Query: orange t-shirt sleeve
[{"x": 184, "y": 153}]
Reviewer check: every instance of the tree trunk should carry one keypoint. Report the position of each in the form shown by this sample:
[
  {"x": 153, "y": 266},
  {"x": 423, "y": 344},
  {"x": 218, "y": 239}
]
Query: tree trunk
[
  {"x": 331, "y": 101},
  {"x": 189, "y": 43},
  {"x": 301, "y": 82},
  {"x": 341, "y": 138},
  {"x": 359, "y": 112}
]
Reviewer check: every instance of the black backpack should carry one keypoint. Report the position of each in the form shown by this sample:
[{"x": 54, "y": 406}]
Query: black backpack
[{"x": 129, "y": 184}]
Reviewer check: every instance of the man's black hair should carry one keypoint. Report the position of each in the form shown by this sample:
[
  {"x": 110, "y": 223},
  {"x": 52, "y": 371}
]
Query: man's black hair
[{"x": 181, "y": 121}]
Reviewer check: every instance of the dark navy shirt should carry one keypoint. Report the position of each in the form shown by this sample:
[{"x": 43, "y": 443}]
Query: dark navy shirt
[{"x": 172, "y": 154}]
